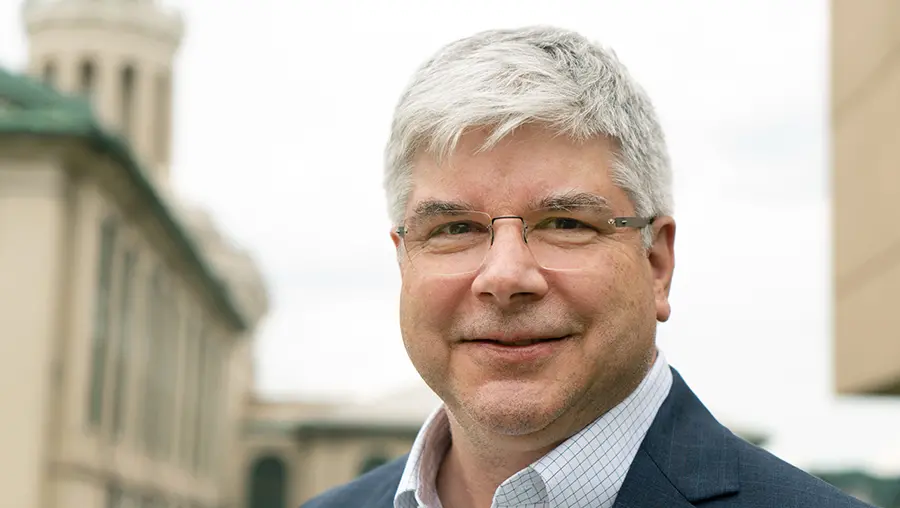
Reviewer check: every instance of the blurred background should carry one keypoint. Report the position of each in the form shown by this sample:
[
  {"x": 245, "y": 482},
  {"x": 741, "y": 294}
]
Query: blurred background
[{"x": 183, "y": 328}]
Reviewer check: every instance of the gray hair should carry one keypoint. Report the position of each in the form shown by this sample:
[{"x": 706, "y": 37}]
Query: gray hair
[{"x": 503, "y": 79}]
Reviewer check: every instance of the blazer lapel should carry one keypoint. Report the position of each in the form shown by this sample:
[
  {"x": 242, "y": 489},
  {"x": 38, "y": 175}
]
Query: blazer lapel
[
  {"x": 384, "y": 500},
  {"x": 686, "y": 457},
  {"x": 646, "y": 486}
]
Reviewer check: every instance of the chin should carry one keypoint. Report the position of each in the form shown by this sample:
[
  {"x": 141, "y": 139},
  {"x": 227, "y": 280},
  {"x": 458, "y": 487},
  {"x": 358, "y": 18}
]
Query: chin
[{"x": 513, "y": 408}]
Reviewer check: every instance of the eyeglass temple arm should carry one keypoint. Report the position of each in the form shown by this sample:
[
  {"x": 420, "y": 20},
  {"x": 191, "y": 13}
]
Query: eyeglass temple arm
[{"x": 632, "y": 222}]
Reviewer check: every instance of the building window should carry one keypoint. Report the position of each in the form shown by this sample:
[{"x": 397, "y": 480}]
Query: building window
[
  {"x": 213, "y": 404},
  {"x": 155, "y": 328},
  {"x": 100, "y": 343},
  {"x": 202, "y": 388},
  {"x": 268, "y": 483},
  {"x": 169, "y": 371},
  {"x": 127, "y": 95},
  {"x": 87, "y": 77},
  {"x": 179, "y": 387},
  {"x": 142, "y": 371},
  {"x": 114, "y": 497},
  {"x": 189, "y": 405},
  {"x": 124, "y": 350},
  {"x": 48, "y": 74}
]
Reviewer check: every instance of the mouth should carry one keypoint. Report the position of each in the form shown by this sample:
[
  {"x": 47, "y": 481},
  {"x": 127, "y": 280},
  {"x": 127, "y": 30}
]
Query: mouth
[
  {"x": 506, "y": 351},
  {"x": 520, "y": 343}
]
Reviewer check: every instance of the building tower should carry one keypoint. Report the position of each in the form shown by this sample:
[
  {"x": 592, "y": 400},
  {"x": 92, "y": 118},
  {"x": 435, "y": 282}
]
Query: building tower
[{"x": 119, "y": 54}]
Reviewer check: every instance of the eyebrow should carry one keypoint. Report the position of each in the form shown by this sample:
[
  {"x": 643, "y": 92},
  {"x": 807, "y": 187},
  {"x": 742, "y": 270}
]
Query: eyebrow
[
  {"x": 570, "y": 200},
  {"x": 565, "y": 201},
  {"x": 432, "y": 207}
]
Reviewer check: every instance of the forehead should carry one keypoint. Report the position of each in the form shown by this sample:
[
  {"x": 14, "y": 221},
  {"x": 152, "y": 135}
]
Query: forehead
[{"x": 529, "y": 165}]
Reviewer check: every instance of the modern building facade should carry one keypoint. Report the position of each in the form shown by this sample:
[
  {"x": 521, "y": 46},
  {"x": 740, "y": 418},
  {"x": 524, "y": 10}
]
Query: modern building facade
[{"x": 865, "y": 123}]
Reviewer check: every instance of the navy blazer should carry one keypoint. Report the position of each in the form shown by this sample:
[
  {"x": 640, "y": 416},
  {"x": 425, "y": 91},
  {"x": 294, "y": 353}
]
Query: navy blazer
[{"x": 687, "y": 459}]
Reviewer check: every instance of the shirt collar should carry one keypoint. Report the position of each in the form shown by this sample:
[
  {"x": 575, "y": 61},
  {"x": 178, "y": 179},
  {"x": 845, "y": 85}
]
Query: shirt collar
[
  {"x": 418, "y": 484},
  {"x": 586, "y": 470}
]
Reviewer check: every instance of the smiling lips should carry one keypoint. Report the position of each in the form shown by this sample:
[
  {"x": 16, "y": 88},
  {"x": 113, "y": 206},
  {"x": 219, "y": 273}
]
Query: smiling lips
[
  {"x": 517, "y": 342},
  {"x": 514, "y": 350}
]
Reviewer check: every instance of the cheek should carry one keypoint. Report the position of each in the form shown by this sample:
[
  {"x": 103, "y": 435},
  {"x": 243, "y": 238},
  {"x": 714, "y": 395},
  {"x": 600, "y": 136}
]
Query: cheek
[
  {"x": 427, "y": 310},
  {"x": 615, "y": 302},
  {"x": 601, "y": 292},
  {"x": 428, "y": 306}
]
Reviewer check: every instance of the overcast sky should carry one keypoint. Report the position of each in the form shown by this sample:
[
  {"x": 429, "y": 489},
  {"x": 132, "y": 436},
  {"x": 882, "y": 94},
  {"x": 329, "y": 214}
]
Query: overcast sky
[{"x": 282, "y": 113}]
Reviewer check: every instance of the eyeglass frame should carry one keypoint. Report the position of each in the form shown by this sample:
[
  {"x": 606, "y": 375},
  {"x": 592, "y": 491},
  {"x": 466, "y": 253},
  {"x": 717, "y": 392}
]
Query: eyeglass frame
[{"x": 632, "y": 222}]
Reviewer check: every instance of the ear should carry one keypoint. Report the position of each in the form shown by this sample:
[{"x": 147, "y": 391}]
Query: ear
[
  {"x": 662, "y": 264},
  {"x": 395, "y": 238},
  {"x": 397, "y": 248}
]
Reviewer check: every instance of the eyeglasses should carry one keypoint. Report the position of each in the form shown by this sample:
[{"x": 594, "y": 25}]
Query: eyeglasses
[{"x": 457, "y": 242}]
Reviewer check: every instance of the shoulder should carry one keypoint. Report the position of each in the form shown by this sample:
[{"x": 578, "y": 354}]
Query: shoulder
[
  {"x": 707, "y": 462},
  {"x": 374, "y": 489},
  {"x": 767, "y": 480}
]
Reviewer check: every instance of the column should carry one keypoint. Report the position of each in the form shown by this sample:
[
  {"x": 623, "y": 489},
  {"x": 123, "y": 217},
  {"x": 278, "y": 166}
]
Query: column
[
  {"x": 109, "y": 91},
  {"x": 145, "y": 114},
  {"x": 137, "y": 362}
]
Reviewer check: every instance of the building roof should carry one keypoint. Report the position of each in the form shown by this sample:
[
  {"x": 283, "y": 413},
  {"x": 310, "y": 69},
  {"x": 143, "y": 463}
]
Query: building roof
[
  {"x": 398, "y": 415},
  {"x": 28, "y": 107},
  {"x": 240, "y": 270},
  {"x": 410, "y": 405}
]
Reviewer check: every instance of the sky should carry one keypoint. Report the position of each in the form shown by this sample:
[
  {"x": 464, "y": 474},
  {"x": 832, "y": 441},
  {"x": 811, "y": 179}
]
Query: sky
[{"x": 283, "y": 109}]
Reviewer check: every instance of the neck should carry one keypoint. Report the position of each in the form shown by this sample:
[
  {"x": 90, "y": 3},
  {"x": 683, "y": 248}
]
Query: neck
[
  {"x": 473, "y": 469},
  {"x": 478, "y": 460}
]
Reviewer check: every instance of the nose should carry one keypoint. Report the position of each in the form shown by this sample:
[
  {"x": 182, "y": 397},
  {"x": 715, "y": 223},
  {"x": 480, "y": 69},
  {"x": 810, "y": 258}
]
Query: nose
[{"x": 509, "y": 276}]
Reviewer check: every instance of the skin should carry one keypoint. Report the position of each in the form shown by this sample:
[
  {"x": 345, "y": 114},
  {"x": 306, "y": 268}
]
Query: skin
[{"x": 505, "y": 416}]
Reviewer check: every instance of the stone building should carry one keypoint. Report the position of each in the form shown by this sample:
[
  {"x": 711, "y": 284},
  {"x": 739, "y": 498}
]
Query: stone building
[
  {"x": 291, "y": 451},
  {"x": 127, "y": 317}
]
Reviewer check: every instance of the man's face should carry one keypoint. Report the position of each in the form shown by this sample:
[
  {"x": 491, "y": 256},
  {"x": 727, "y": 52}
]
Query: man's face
[{"x": 605, "y": 315}]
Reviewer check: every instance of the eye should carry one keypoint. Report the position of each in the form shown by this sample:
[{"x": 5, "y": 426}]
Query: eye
[
  {"x": 561, "y": 223},
  {"x": 457, "y": 228}
]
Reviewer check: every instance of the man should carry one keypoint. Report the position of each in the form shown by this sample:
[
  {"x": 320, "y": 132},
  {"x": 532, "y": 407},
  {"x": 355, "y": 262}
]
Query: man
[{"x": 529, "y": 183}]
